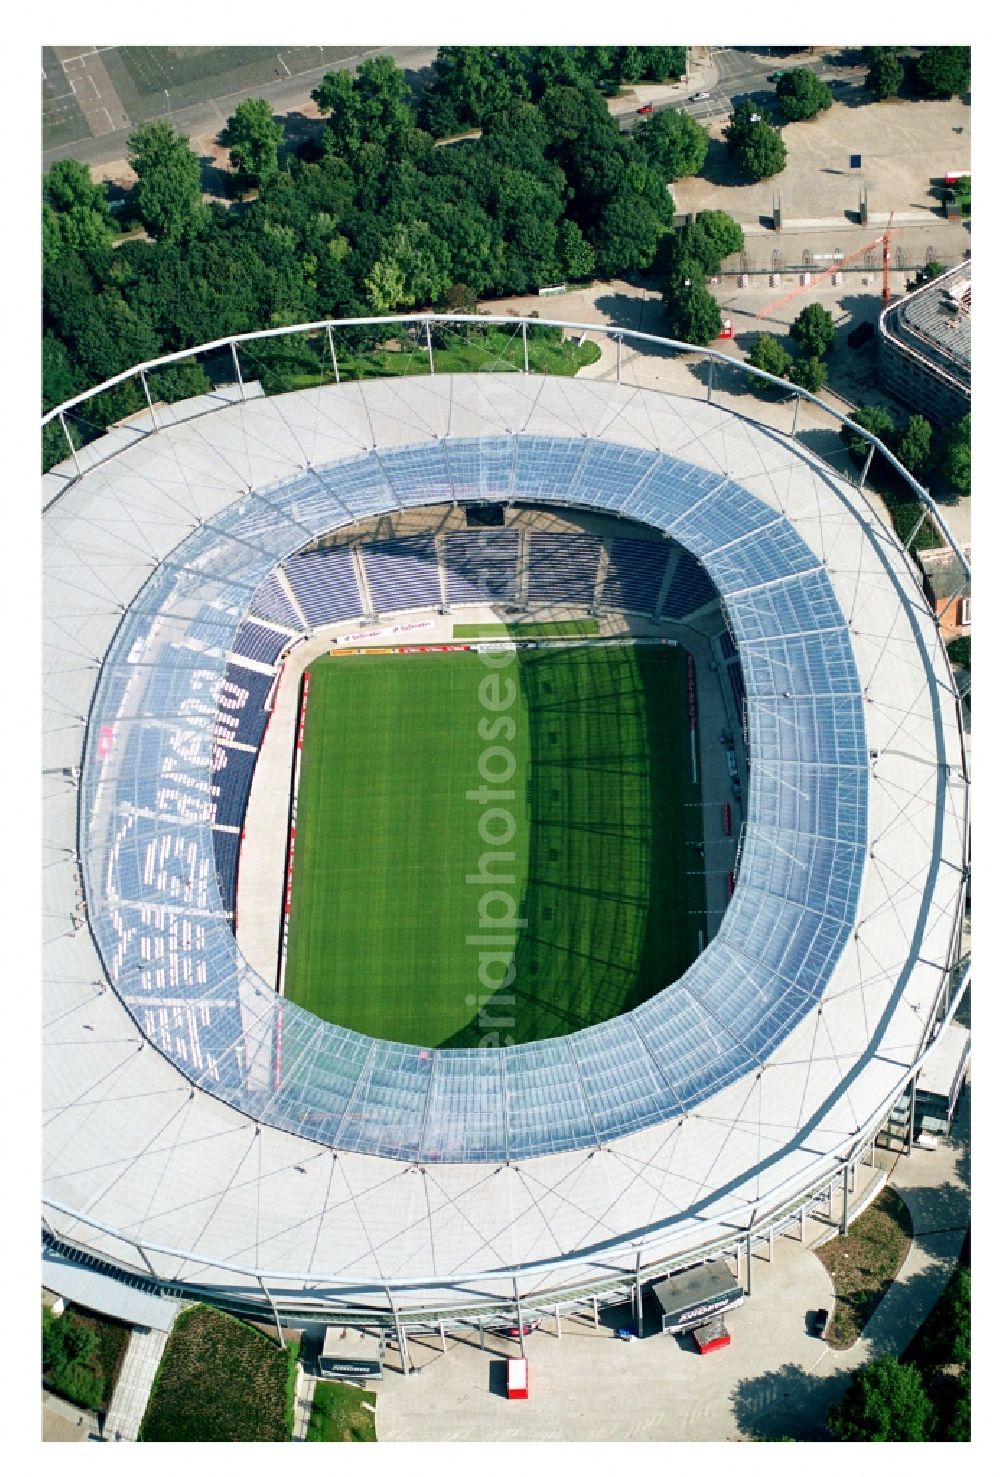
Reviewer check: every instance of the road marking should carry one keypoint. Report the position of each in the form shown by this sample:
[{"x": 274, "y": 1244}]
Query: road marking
[{"x": 284, "y": 64}]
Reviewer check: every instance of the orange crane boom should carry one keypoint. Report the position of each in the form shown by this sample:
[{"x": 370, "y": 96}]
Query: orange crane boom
[{"x": 853, "y": 256}]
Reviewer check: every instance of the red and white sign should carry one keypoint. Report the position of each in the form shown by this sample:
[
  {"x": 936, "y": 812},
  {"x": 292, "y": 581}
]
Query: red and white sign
[
  {"x": 374, "y": 632},
  {"x": 727, "y": 328}
]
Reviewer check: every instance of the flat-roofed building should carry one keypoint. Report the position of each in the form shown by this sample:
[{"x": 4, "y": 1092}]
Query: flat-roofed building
[{"x": 925, "y": 347}]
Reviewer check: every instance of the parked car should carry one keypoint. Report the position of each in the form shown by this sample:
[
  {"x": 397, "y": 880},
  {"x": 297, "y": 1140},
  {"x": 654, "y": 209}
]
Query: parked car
[
  {"x": 820, "y": 1320},
  {"x": 699, "y": 97},
  {"x": 775, "y": 77},
  {"x": 526, "y": 1328},
  {"x": 646, "y": 108}
]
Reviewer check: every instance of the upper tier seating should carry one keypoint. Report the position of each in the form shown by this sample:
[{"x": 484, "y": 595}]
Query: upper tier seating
[
  {"x": 562, "y": 568},
  {"x": 403, "y": 572},
  {"x": 325, "y": 584}
]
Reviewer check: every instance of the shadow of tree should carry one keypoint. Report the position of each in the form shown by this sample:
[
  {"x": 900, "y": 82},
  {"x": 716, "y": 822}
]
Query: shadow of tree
[
  {"x": 787, "y": 1401},
  {"x": 301, "y": 130}
]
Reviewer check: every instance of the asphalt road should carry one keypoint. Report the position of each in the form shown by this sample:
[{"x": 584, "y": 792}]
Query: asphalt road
[
  {"x": 286, "y": 95},
  {"x": 742, "y": 72}
]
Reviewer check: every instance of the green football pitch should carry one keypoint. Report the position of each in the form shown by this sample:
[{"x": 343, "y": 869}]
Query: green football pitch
[{"x": 486, "y": 856}]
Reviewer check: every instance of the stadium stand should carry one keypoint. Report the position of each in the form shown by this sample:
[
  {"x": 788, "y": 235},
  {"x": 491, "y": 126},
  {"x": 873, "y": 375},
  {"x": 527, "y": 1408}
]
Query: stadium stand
[
  {"x": 481, "y": 566},
  {"x": 562, "y": 568},
  {"x": 325, "y": 585},
  {"x": 226, "y": 845},
  {"x": 689, "y": 590},
  {"x": 242, "y": 718},
  {"x": 635, "y": 574},
  {"x": 232, "y": 771},
  {"x": 273, "y": 604},
  {"x": 403, "y": 572},
  {"x": 260, "y": 643}
]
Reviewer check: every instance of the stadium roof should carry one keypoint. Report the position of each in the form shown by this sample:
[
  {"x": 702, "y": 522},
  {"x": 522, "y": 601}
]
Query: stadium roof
[{"x": 374, "y": 1163}]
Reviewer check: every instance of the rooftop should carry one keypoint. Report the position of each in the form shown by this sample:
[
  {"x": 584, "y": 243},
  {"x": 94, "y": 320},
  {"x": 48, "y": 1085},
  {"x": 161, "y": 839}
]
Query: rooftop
[{"x": 936, "y": 320}]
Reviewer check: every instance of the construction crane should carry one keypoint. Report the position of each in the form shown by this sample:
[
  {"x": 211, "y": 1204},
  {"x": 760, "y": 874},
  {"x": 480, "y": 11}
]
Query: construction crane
[{"x": 853, "y": 256}]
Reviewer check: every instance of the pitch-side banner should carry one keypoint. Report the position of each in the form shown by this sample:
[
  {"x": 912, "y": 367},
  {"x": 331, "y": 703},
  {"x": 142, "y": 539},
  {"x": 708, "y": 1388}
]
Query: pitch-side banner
[{"x": 373, "y": 632}]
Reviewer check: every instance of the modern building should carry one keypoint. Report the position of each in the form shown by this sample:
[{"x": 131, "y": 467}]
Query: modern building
[
  {"x": 205, "y": 1137},
  {"x": 925, "y": 347}
]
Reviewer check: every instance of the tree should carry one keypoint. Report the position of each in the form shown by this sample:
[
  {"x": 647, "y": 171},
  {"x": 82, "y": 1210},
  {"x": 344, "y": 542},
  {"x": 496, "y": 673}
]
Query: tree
[
  {"x": 253, "y": 137},
  {"x": 801, "y": 94},
  {"x": 885, "y": 73},
  {"x": 757, "y": 149},
  {"x": 65, "y": 1341},
  {"x": 371, "y": 106},
  {"x": 873, "y": 418},
  {"x": 886, "y": 1401},
  {"x": 691, "y": 312},
  {"x": 943, "y": 71},
  {"x": 813, "y": 330},
  {"x": 956, "y": 458},
  {"x": 663, "y": 63},
  {"x": 725, "y": 234},
  {"x": 414, "y": 267},
  {"x": 769, "y": 355},
  {"x": 674, "y": 142},
  {"x": 809, "y": 373},
  {"x": 575, "y": 252},
  {"x": 470, "y": 82},
  {"x": 68, "y": 186},
  {"x": 627, "y": 235},
  {"x": 914, "y": 446},
  {"x": 168, "y": 194}
]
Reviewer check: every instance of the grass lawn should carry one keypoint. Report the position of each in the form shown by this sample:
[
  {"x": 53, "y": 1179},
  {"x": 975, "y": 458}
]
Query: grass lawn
[
  {"x": 490, "y": 351},
  {"x": 338, "y": 1413},
  {"x": 220, "y": 1380},
  {"x": 598, "y": 807},
  {"x": 588, "y": 626},
  {"x": 864, "y": 1263}
]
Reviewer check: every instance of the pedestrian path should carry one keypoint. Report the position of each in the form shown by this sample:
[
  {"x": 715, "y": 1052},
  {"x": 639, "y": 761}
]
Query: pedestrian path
[
  {"x": 305, "y": 1386},
  {"x": 128, "y": 1404}
]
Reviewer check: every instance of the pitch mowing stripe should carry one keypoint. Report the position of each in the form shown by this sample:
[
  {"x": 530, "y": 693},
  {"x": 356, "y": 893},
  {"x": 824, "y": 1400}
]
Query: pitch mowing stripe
[
  {"x": 607, "y": 822},
  {"x": 386, "y": 837}
]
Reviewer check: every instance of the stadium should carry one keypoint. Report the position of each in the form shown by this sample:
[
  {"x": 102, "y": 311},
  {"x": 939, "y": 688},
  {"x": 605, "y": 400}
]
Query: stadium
[{"x": 731, "y": 943}]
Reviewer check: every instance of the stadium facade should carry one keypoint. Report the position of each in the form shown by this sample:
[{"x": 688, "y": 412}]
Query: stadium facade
[{"x": 205, "y": 1137}]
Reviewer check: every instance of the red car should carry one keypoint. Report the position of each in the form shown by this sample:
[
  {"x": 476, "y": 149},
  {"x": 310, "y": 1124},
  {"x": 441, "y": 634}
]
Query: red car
[{"x": 646, "y": 108}]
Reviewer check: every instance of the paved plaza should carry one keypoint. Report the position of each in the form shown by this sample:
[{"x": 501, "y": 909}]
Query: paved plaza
[{"x": 773, "y": 1379}]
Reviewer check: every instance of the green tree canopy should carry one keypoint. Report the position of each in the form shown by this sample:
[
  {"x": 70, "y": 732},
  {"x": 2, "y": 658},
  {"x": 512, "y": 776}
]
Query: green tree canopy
[
  {"x": 813, "y": 330},
  {"x": 674, "y": 142},
  {"x": 886, "y": 1401},
  {"x": 627, "y": 234},
  {"x": 253, "y": 137},
  {"x": 801, "y": 94},
  {"x": 943, "y": 71},
  {"x": 470, "y": 82},
  {"x": 956, "y": 457},
  {"x": 808, "y": 373},
  {"x": 370, "y": 106},
  {"x": 914, "y": 445},
  {"x": 725, "y": 234},
  {"x": 691, "y": 312},
  {"x": 769, "y": 355},
  {"x": 757, "y": 149},
  {"x": 168, "y": 194},
  {"x": 576, "y": 254},
  {"x": 68, "y": 186},
  {"x": 885, "y": 73},
  {"x": 873, "y": 418}
]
